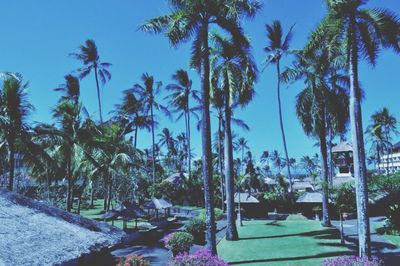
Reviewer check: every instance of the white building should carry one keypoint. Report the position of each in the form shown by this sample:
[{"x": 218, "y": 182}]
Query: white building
[{"x": 390, "y": 163}]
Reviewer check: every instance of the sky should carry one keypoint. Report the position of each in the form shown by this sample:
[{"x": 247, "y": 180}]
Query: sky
[{"x": 38, "y": 36}]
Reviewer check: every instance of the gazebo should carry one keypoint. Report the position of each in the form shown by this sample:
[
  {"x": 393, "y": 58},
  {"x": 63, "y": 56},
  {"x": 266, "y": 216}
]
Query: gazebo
[
  {"x": 343, "y": 158},
  {"x": 247, "y": 202},
  {"x": 131, "y": 211},
  {"x": 157, "y": 205},
  {"x": 308, "y": 201},
  {"x": 110, "y": 216}
]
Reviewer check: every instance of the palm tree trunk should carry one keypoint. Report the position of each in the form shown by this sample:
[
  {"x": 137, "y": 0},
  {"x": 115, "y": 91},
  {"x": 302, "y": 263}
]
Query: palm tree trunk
[
  {"x": 98, "y": 93},
  {"x": 92, "y": 193},
  {"x": 136, "y": 135},
  {"x": 11, "y": 144},
  {"x": 358, "y": 149},
  {"x": 231, "y": 230},
  {"x": 189, "y": 145},
  {"x": 281, "y": 123},
  {"x": 221, "y": 174},
  {"x": 324, "y": 174},
  {"x": 109, "y": 194},
  {"x": 152, "y": 142},
  {"x": 206, "y": 141},
  {"x": 342, "y": 241}
]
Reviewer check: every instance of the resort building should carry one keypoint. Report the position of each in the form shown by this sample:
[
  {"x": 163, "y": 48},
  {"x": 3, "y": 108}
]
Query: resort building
[
  {"x": 343, "y": 159},
  {"x": 390, "y": 162}
]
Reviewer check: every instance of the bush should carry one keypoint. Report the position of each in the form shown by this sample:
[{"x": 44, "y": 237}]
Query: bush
[
  {"x": 352, "y": 261},
  {"x": 179, "y": 242},
  {"x": 196, "y": 227},
  {"x": 394, "y": 218},
  {"x": 199, "y": 258},
  {"x": 219, "y": 214},
  {"x": 133, "y": 260}
]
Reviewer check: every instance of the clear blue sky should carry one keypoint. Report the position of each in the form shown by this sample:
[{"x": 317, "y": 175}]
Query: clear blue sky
[{"x": 37, "y": 36}]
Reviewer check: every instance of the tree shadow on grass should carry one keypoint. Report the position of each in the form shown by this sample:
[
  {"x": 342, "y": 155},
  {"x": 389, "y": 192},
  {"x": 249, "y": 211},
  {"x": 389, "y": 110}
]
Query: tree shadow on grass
[
  {"x": 320, "y": 234},
  {"x": 321, "y": 255},
  {"x": 275, "y": 223}
]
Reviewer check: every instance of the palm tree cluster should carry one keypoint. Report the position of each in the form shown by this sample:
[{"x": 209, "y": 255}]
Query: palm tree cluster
[{"x": 85, "y": 155}]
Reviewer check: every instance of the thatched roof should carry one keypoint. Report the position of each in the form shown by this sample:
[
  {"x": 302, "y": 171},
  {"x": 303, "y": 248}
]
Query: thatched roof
[
  {"x": 177, "y": 178},
  {"x": 157, "y": 204},
  {"x": 342, "y": 147},
  {"x": 110, "y": 215},
  {"x": 132, "y": 211},
  {"x": 34, "y": 233},
  {"x": 270, "y": 181},
  {"x": 245, "y": 198},
  {"x": 302, "y": 185},
  {"x": 310, "y": 197},
  {"x": 339, "y": 180}
]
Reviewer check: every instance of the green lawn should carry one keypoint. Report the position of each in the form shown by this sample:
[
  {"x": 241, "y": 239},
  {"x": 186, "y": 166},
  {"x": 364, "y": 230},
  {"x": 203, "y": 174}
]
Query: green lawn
[
  {"x": 377, "y": 228},
  {"x": 279, "y": 243}
]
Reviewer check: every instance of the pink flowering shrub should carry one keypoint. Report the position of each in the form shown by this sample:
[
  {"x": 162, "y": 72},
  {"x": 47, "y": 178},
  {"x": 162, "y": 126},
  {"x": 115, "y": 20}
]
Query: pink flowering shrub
[
  {"x": 201, "y": 257},
  {"x": 352, "y": 261},
  {"x": 133, "y": 260},
  {"x": 179, "y": 242}
]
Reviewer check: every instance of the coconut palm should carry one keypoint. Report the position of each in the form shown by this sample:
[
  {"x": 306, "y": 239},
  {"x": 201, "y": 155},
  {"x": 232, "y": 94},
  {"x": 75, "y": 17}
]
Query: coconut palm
[
  {"x": 234, "y": 69},
  {"x": 360, "y": 33},
  {"x": 14, "y": 109},
  {"x": 146, "y": 94},
  {"x": 278, "y": 47},
  {"x": 191, "y": 20},
  {"x": 381, "y": 130},
  {"x": 132, "y": 114},
  {"x": 181, "y": 92},
  {"x": 89, "y": 56},
  {"x": 70, "y": 89}
]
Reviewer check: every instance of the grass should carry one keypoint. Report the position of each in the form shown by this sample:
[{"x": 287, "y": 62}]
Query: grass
[
  {"x": 279, "y": 243},
  {"x": 379, "y": 229}
]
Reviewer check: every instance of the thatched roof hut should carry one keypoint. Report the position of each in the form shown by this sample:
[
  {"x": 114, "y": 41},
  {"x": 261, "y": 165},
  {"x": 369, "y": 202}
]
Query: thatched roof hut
[
  {"x": 157, "y": 204},
  {"x": 342, "y": 147},
  {"x": 177, "y": 179},
  {"x": 35, "y": 233},
  {"x": 302, "y": 186},
  {"x": 245, "y": 198},
  {"x": 310, "y": 197}
]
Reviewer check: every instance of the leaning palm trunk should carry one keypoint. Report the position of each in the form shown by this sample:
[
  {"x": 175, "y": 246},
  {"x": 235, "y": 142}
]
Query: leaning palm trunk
[
  {"x": 358, "y": 149},
  {"x": 324, "y": 175},
  {"x": 98, "y": 94},
  {"x": 231, "y": 231},
  {"x": 281, "y": 123},
  {"x": 206, "y": 141}
]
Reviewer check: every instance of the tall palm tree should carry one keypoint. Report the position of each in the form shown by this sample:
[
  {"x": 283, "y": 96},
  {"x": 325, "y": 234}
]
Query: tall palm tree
[
  {"x": 380, "y": 132},
  {"x": 233, "y": 67},
  {"x": 360, "y": 33},
  {"x": 70, "y": 89},
  {"x": 181, "y": 92},
  {"x": 278, "y": 47},
  {"x": 14, "y": 109},
  {"x": 191, "y": 20},
  {"x": 88, "y": 54},
  {"x": 132, "y": 114},
  {"x": 146, "y": 93}
]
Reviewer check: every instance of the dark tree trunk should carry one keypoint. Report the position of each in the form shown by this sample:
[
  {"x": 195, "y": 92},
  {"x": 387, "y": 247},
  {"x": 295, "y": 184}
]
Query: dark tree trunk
[
  {"x": 135, "y": 140},
  {"x": 231, "y": 230},
  {"x": 105, "y": 195},
  {"x": 206, "y": 141},
  {"x": 221, "y": 174},
  {"x": 92, "y": 193},
  {"x": 189, "y": 152},
  {"x": 342, "y": 241},
  {"x": 109, "y": 194},
  {"x": 98, "y": 94},
  {"x": 11, "y": 144},
  {"x": 326, "y": 222},
  {"x": 152, "y": 142},
  {"x": 360, "y": 171},
  {"x": 281, "y": 124}
]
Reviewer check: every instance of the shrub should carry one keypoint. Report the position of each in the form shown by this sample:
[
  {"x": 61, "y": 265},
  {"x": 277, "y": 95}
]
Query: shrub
[
  {"x": 352, "y": 261},
  {"x": 195, "y": 226},
  {"x": 179, "y": 242},
  {"x": 219, "y": 214},
  {"x": 394, "y": 218},
  {"x": 199, "y": 258},
  {"x": 133, "y": 260}
]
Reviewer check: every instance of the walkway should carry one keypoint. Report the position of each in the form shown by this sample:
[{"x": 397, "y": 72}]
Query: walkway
[{"x": 380, "y": 246}]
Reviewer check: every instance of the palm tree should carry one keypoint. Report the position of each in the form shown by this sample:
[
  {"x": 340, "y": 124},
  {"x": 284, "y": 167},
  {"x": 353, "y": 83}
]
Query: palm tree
[
  {"x": 14, "y": 109},
  {"x": 181, "y": 91},
  {"x": 132, "y": 114},
  {"x": 235, "y": 70},
  {"x": 276, "y": 49},
  {"x": 383, "y": 126},
  {"x": 146, "y": 94},
  {"x": 89, "y": 56},
  {"x": 71, "y": 88},
  {"x": 360, "y": 33},
  {"x": 276, "y": 158},
  {"x": 192, "y": 20}
]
